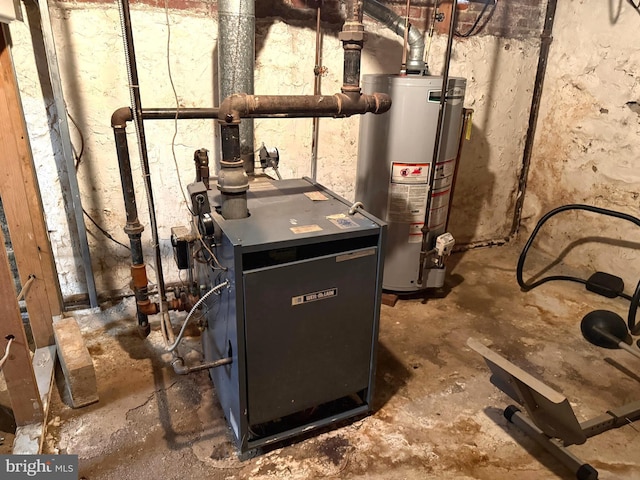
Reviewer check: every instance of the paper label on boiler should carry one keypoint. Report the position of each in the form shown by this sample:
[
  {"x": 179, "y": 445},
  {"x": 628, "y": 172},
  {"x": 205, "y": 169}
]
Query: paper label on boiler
[{"x": 306, "y": 229}]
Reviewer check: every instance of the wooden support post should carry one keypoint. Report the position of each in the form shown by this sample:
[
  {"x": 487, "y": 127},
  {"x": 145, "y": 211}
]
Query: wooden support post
[
  {"x": 18, "y": 371},
  {"x": 23, "y": 207}
]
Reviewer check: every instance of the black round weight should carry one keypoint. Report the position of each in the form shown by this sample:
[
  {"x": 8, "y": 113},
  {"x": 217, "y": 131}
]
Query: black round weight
[{"x": 610, "y": 322}]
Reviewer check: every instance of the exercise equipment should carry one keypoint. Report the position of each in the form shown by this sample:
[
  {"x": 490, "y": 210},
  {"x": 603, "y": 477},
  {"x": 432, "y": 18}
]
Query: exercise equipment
[
  {"x": 607, "y": 330},
  {"x": 549, "y": 419},
  {"x": 600, "y": 282}
]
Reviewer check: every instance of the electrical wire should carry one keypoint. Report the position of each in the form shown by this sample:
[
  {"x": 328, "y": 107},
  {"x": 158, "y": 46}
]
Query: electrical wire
[
  {"x": 78, "y": 155},
  {"x": 10, "y": 339},
  {"x": 635, "y": 299},
  {"x": 104, "y": 232},
  {"x": 206, "y": 247},
  {"x": 215, "y": 289},
  {"x": 78, "y": 158},
  {"x": 472, "y": 31},
  {"x": 175, "y": 96},
  {"x": 25, "y": 287}
]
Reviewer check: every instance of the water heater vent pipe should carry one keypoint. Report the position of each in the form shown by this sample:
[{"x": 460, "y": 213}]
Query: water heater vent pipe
[{"x": 397, "y": 24}]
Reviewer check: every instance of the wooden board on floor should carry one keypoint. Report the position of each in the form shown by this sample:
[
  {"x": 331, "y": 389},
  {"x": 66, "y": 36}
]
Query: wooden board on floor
[
  {"x": 389, "y": 299},
  {"x": 23, "y": 207},
  {"x": 30, "y": 438}
]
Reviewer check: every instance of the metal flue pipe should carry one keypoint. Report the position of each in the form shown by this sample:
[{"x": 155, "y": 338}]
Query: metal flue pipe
[
  {"x": 236, "y": 62},
  {"x": 397, "y": 24}
]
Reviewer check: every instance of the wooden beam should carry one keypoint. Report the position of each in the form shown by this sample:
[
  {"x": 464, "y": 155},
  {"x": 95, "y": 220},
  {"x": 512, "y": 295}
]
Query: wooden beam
[
  {"x": 18, "y": 370},
  {"x": 23, "y": 206}
]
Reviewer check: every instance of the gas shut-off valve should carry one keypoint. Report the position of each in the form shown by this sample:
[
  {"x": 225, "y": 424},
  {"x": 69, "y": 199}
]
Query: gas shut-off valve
[{"x": 444, "y": 247}]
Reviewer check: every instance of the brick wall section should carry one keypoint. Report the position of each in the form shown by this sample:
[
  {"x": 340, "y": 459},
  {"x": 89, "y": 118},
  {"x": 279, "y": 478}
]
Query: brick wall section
[{"x": 508, "y": 18}]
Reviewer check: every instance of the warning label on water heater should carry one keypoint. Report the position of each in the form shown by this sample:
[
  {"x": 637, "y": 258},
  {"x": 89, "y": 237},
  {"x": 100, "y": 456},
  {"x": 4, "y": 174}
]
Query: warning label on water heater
[
  {"x": 312, "y": 297},
  {"x": 409, "y": 172},
  {"x": 407, "y": 203},
  {"x": 408, "y": 192}
]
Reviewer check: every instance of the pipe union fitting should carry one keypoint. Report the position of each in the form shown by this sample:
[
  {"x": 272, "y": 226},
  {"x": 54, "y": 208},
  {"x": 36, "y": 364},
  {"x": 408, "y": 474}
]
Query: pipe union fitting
[
  {"x": 352, "y": 36},
  {"x": 133, "y": 229}
]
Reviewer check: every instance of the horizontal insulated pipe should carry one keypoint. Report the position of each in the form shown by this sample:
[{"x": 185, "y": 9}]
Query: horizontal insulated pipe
[{"x": 396, "y": 23}]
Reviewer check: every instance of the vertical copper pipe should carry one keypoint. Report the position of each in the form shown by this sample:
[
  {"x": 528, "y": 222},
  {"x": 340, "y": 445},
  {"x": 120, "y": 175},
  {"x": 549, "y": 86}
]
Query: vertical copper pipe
[
  {"x": 316, "y": 91},
  {"x": 403, "y": 69}
]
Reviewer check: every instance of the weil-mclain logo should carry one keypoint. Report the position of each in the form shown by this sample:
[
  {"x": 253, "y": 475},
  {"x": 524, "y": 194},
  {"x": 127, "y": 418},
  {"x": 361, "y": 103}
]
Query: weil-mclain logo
[{"x": 49, "y": 467}]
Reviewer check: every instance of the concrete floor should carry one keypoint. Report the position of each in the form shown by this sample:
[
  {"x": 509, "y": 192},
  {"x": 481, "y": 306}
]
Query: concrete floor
[{"x": 436, "y": 413}]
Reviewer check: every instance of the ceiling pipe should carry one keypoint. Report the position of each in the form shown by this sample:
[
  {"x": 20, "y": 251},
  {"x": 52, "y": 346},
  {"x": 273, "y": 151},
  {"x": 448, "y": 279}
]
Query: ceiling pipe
[
  {"x": 236, "y": 62},
  {"x": 397, "y": 24}
]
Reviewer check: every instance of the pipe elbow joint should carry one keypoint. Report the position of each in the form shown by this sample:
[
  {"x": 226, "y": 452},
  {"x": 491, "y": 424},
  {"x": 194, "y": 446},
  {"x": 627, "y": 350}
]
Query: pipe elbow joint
[
  {"x": 147, "y": 307},
  {"x": 179, "y": 367},
  {"x": 233, "y": 108},
  {"x": 120, "y": 117}
]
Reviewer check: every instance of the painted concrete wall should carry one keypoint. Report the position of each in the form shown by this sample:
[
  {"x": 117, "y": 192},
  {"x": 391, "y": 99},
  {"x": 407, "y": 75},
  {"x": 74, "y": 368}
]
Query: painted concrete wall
[
  {"x": 500, "y": 73},
  {"x": 588, "y": 138}
]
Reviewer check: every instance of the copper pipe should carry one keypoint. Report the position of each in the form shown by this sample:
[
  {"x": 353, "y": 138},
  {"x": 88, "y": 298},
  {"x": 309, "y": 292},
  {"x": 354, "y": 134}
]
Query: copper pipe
[
  {"x": 406, "y": 39},
  {"x": 317, "y": 81}
]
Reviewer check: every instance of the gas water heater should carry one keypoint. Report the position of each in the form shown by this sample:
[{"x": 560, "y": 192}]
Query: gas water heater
[{"x": 395, "y": 154}]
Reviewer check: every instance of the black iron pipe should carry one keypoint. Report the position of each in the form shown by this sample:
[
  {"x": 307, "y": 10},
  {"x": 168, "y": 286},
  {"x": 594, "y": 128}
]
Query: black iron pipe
[
  {"x": 230, "y": 135},
  {"x": 126, "y": 178},
  {"x": 351, "y": 77},
  {"x": 179, "y": 113},
  {"x": 233, "y": 181},
  {"x": 136, "y": 104},
  {"x": 545, "y": 47},
  {"x": 352, "y": 37},
  {"x": 133, "y": 228}
]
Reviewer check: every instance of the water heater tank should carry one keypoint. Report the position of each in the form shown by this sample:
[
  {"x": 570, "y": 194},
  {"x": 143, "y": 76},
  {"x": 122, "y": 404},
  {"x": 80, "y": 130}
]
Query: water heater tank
[{"x": 395, "y": 154}]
